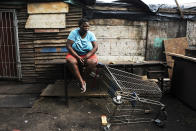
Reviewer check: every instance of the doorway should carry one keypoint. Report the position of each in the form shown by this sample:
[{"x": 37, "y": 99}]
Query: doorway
[{"x": 9, "y": 48}]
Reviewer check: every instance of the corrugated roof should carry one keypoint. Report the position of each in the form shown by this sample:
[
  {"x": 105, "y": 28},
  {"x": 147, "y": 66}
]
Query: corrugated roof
[
  {"x": 154, "y": 5},
  {"x": 82, "y": 2},
  {"x": 85, "y": 2},
  {"x": 157, "y": 10},
  {"x": 139, "y": 10}
]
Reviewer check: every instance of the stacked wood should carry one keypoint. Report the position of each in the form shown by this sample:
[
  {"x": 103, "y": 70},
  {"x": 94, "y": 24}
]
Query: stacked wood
[
  {"x": 33, "y": 47},
  {"x": 26, "y": 47}
]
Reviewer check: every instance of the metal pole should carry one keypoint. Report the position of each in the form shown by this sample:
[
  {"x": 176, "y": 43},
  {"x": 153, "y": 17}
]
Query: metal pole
[{"x": 18, "y": 62}]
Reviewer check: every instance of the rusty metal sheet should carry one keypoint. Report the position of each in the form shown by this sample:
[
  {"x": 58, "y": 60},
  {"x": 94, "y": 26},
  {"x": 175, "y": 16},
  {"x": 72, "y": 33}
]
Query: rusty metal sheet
[
  {"x": 159, "y": 31},
  {"x": 175, "y": 45},
  {"x": 46, "y": 21},
  {"x": 49, "y": 7}
]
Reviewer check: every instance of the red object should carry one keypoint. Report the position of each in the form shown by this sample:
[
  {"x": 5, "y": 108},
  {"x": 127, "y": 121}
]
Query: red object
[
  {"x": 94, "y": 57},
  {"x": 15, "y": 130}
]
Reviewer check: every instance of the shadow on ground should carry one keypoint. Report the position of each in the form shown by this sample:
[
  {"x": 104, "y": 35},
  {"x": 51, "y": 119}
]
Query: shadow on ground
[{"x": 83, "y": 114}]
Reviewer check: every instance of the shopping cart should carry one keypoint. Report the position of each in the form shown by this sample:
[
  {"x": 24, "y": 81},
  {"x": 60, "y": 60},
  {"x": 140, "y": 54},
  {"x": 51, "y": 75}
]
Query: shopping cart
[{"x": 134, "y": 99}]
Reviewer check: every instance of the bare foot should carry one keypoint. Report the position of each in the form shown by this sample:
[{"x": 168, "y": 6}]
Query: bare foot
[{"x": 83, "y": 87}]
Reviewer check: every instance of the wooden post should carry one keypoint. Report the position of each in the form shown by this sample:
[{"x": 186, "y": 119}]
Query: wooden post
[{"x": 181, "y": 13}]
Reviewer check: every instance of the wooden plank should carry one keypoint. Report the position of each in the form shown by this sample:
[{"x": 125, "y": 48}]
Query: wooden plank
[
  {"x": 49, "y": 58},
  {"x": 27, "y": 55},
  {"x": 45, "y": 66},
  {"x": 67, "y": 29},
  {"x": 30, "y": 75},
  {"x": 48, "y": 7},
  {"x": 49, "y": 41},
  {"x": 53, "y": 61},
  {"x": 51, "y": 50},
  {"x": 175, "y": 11},
  {"x": 176, "y": 45},
  {"x": 50, "y": 54},
  {"x": 45, "y": 30},
  {"x": 27, "y": 59},
  {"x": 102, "y": 61},
  {"x": 50, "y": 45},
  {"x": 46, "y": 21},
  {"x": 179, "y": 8},
  {"x": 53, "y": 71},
  {"x": 26, "y": 52},
  {"x": 182, "y": 56},
  {"x": 10, "y": 6},
  {"x": 26, "y": 46},
  {"x": 28, "y": 42},
  {"x": 27, "y": 62},
  {"x": 57, "y": 69}
]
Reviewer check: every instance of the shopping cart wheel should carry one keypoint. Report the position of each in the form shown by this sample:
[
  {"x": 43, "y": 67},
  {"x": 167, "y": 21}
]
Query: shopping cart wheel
[
  {"x": 106, "y": 127},
  {"x": 159, "y": 123},
  {"x": 117, "y": 100},
  {"x": 162, "y": 114},
  {"x": 165, "y": 115},
  {"x": 147, "y": 111}
]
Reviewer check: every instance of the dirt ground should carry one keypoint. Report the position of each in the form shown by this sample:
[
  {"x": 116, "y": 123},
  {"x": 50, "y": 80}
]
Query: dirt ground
[{"x": 83, "y": 114}]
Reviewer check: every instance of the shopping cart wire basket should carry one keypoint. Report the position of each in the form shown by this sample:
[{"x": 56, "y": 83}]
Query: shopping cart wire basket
[{"x": 136, "y": 100}]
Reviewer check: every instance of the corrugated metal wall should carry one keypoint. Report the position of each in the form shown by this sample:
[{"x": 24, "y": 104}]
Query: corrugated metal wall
[{"x": 37, "y": 48}]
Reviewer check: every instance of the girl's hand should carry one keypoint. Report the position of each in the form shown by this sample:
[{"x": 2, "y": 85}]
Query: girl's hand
[{"x": 80, "y": 60}]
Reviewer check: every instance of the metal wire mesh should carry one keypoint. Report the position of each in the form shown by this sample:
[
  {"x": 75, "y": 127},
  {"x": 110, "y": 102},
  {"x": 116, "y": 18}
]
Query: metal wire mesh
[
  {"x": 9, "y": 49},
  {"x": 134, "y": 100},
  {"x": 139, "y": 99},
  {"x": 127, "y": 82}
]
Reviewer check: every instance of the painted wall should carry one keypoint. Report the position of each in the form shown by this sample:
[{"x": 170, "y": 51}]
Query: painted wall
[
  {"x": 159, "y": 31},
  {"x": 191, "y": 32},
  {"x": 120, "y": 40}
]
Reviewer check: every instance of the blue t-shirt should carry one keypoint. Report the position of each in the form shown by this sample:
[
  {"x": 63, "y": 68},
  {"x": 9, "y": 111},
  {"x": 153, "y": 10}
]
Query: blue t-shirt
[{"x": 81, "y": 46}]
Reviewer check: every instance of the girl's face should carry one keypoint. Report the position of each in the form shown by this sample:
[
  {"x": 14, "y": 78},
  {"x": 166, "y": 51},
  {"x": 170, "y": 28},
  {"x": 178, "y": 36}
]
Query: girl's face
[{"x": 84, "y": 27}]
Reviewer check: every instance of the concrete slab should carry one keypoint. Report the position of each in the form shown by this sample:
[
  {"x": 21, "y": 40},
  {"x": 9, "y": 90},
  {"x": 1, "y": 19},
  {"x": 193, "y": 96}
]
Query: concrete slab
[
  {"x": 17, "y": 100},
  {"x": 16, "y": 94},
  {"x": 83, "y": 114},
  {"x": 57, "y": 89},
  {"x": 14, "y": 88}
]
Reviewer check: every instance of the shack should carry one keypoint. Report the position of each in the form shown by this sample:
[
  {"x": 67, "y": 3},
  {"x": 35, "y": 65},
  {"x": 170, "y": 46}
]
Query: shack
[{"x": 35, "y": 31}]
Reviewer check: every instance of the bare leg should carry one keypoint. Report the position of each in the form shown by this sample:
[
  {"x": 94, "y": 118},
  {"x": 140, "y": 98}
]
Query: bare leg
[
  {"x": 73, "y": 66},
  {"x": 91, "y": 65}
]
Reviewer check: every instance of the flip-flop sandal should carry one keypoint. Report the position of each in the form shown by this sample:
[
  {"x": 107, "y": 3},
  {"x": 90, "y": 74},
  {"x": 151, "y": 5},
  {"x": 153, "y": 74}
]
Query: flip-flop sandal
[
  {"x": 83, "y": 88},
  {"x": 94, "y": 74}
]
